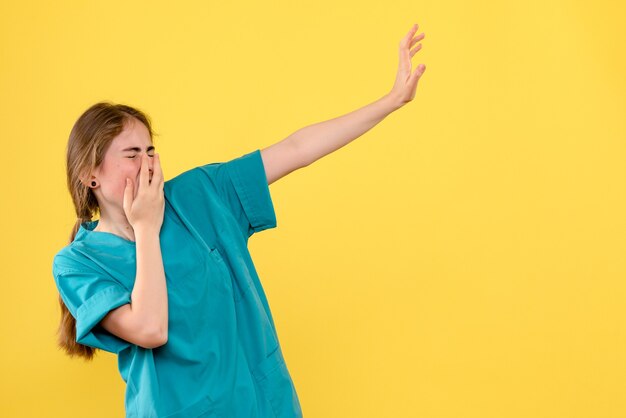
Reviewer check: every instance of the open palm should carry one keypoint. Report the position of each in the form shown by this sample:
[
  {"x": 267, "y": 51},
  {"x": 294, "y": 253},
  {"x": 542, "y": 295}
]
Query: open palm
[{"x": 406, "y": 81}]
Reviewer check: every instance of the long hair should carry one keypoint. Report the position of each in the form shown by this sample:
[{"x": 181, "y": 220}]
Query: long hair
[{"x": 89, "y": 139}]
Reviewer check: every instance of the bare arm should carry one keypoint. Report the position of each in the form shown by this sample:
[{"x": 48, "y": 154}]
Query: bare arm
[
  {"x": 149, "y": 297},
  {"x": 315, "y": 141},
  {"x": 312, "y": 142}
]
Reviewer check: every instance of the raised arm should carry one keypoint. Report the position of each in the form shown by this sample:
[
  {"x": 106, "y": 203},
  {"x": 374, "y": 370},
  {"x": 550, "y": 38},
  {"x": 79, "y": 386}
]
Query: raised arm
[{"x": 312, "y": 142}]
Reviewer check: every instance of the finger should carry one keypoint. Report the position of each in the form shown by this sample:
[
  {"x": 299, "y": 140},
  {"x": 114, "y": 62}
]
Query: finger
[
  {"x": 157, "y": 172},
  {"x": 161, "y": 177},
  {"x": 417, "y": 39},
  {"x": 414, "y": 51},
  {"x": 404, "y": 58},
  {"x": 405, "y": 45},
  {"x": 144, "y": 175},
  {"x": 410, "y": 34},
  {"x": 419, "y": 70},
  {"x": 128, "y": 195}
]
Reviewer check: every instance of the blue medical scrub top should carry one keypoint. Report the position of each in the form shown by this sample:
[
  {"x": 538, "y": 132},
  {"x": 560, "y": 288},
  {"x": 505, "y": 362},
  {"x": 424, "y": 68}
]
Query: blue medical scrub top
[{"x": 223, "y": 357}]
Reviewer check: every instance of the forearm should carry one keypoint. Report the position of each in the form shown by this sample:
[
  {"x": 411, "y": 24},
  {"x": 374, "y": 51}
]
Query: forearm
[
  {"x": 315, "y": 141},
  {"x": 149, "y": 296}
]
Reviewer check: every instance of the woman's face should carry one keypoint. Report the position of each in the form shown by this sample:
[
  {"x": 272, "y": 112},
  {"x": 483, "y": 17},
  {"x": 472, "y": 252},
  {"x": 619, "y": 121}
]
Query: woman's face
[{"x": 122, "y": 159}]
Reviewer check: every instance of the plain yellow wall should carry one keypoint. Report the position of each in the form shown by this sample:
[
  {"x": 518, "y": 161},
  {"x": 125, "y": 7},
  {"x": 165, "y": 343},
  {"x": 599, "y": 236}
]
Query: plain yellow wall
[{"x": 465, "y": 258}]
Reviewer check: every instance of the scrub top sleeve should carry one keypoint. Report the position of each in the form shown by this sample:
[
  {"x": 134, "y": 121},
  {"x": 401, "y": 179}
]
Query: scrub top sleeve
[
  {"x": 242, "y": 182},
  {"x": 89, "y": 296}
]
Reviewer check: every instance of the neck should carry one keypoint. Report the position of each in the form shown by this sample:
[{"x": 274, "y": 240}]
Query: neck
[{"x": 116, "y": 224}]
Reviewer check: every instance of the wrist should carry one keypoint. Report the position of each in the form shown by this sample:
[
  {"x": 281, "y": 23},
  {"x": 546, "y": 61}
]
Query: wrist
[
  {"x": 393, "y": 101},
  {"x": 146, "y": 232}
]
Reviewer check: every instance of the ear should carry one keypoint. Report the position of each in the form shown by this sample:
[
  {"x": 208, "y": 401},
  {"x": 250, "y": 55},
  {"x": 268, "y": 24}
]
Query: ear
[{"x": 86, "y": 178}]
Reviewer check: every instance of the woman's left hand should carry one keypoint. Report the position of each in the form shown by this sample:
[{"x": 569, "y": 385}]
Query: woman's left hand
[{"x": 404, "y": 88}]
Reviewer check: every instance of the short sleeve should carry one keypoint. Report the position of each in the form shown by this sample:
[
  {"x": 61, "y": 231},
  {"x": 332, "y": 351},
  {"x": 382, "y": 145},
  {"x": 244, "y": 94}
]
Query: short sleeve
[
  {"x": 243, "y": 188},
  {"x": 89, "y": 296}
]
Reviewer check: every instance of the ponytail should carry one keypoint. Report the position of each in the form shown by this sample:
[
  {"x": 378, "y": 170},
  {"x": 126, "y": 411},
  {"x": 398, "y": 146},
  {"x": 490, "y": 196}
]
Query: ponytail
[{"x": 67, "y": 326}]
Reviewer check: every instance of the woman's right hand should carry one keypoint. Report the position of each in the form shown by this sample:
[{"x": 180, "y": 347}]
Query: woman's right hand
[{"x": 146, "y": 209}]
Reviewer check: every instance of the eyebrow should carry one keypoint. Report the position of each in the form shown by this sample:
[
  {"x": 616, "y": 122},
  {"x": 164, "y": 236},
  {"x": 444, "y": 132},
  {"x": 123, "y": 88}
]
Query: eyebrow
[{"x": 137, "y": 149}]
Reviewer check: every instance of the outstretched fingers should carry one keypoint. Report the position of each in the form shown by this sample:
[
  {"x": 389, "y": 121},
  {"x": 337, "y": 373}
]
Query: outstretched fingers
[
  {"x": 405, "y": 52},
  {"x": 414, "y": 41},
  {"x": 407, "y": 38}
]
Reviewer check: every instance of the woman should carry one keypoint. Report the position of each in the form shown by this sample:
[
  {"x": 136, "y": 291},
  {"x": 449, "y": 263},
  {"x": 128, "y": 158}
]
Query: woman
[{"x": 164, "y": 278}]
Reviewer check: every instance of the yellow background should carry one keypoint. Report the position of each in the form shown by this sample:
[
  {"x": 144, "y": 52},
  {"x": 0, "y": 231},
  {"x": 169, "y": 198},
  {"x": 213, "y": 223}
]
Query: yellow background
[{"x": 465, "y": 258}]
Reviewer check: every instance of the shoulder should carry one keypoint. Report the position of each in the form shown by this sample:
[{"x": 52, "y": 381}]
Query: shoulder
[
  {"x": 215, "y": 171},
  {"x": 72, "y": 258},
  {"x": 67, "y": 258}
]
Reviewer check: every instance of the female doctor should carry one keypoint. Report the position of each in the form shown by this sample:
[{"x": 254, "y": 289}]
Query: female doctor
[{"x": 164, "y": 278}]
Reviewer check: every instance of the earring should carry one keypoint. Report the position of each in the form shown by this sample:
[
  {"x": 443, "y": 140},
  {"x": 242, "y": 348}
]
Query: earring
[{"x": 93, "y": 183}]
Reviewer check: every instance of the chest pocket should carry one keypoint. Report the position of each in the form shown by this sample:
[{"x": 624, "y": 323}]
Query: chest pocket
[
  {"x": 189, "y": 265},
  {"x": 191, "y": 272},
  {"x": 182, "y": 262},
  {"x": 198, "y": 281}
]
